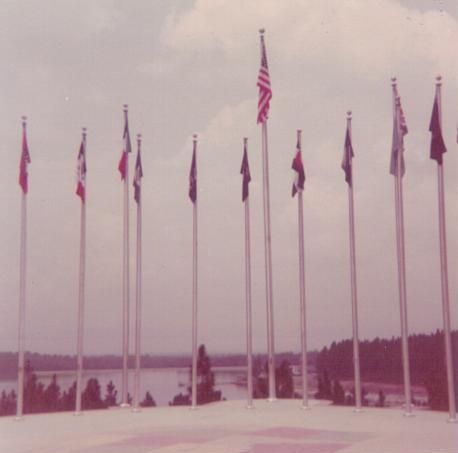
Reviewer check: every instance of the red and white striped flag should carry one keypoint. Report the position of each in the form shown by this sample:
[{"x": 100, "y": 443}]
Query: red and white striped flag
[
  {"x": 265, "y": 92},
  {"x": 24, "y": 162},
  {"x": 126, "y": 149},
  {"x": 81, "y": 170}
]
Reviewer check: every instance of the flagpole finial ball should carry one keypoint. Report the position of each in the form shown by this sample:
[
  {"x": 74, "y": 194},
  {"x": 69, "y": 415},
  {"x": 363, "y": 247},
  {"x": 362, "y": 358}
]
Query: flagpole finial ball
[
  {"x": 194, "y": 136},
  {"x": 24, "y": 119},
  {"x": 125, "y": 107},
  {"x": 245, "y": 140},
  {"x": 262, "y": 31},
  {"x": 139, "y": 136},
  {"x": 393, "y": 80},
  {"x": 348, "y": 113},
  {"x": 439, "y": 79}
]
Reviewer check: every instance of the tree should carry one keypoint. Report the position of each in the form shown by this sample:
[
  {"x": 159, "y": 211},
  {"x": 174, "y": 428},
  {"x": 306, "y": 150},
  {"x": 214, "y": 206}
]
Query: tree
[
  {"x": 284, "y": 381},
  {"x": 112, "y": 393},
  {"x": 91, "y": 397},
  {"x": 148, "y": 401},
  {"x": 338, "y": 396},
  {"x": 51, "y": 396}
]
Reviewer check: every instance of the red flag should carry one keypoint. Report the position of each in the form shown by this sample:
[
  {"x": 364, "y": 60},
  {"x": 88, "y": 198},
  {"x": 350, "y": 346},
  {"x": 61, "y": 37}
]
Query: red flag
[
  {"x": 298, "y": 167},
  {"x": 81, "y": 172},
  {"x": 245, "y": 171},
  {"x": 138, "y": 176},
  {"x": 347, "y": 158},
  {"x": 437, "y": 141},
  {"x": 193, "y": 176},
  {"x": 265, "y": 92},
  {"x": 126, "y": 149},
  {"x": 24, "y": 162}
]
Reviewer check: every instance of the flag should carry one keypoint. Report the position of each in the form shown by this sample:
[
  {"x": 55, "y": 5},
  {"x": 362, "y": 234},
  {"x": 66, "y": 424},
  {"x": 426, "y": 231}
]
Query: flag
[
  {"x": 399, "y": 130},
  {"x": 245, "y": 171},
  {"x": 24, "y": 162},
  {"x": 298, "y": 167},
  {"x": 347, "y": 158},
  {"x": 81, "y": 170},
  {"x": 138, "y": 175},
  {"x": 265, "y": 92},
  {"x": 437, "y": 141},
  {"x": 193, "y": 177},
  {"x": 122, "y": 167}
]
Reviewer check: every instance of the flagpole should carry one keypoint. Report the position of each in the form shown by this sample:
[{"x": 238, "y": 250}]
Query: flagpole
[
  {"x": 444, "y": 275},
  {"x": 268, "y": 256},
  {"x": 399, "y": 210},
  {"x": 300, "y": 217},
  {"x": 249, "y": 334},
  {"x": 81, "y": 297},
  {"x": 138, "y": 297},
  {"x": 194, "y": 296},
  {"x": 22, "y": 296},
  {"x": 354, "y": 291},
  {"x": 125, "y": 283}
]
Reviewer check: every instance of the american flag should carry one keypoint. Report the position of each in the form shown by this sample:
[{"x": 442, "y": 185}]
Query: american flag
[
  {"x": 24, "y": 162},
  {"x": 138, "y": 176},
  {"x": 245, "y": 171},
  {"x": 298, "y": 167},
  {"x": 122, "y": 166},
  {"x": 193, "y": 176},
  {"x": 265, "y": 92},
  {"x": 81, "y": 170},
  {"x": 347, "y": 157}
]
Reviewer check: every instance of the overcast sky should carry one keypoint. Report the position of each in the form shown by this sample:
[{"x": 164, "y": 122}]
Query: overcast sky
[{"x": 191, "y": 66}]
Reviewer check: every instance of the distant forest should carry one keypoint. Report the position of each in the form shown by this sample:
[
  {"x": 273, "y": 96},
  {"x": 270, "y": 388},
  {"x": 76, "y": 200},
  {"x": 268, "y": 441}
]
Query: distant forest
[{"x": 52, "y": 362}]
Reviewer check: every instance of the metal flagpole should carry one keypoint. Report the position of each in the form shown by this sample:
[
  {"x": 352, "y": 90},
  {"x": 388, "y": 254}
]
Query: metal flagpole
[
  {"x": 138, "y": 297},
  {"x": 194, "y": 294},
  {"x": 300, "y": 216},
  {"x": 444, "y": 275},
  {"x": 81, "y": 297},
  {"x": 22, "y": 296},
  {"x": 268, "y": 256},
  {"x": 354, "y": 292},
  {"x": 249, "y": 335},
  {"x": 125, "y": 283},
  {"x": 399, "y": 209}
]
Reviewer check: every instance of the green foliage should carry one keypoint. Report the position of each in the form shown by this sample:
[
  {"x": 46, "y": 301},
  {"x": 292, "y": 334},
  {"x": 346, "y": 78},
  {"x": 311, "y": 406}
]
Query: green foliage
[
  {"x": 110, "y": 397},
  {"x": 148, "y": 401},
  {"x": 284, "y": 385}
]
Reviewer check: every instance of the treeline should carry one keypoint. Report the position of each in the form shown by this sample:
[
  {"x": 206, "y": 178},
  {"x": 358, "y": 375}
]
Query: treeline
[
  {"x": 38, "y": 398},
  {"x": 49, "y": 362},
  {"x": 381, "y": 359}
]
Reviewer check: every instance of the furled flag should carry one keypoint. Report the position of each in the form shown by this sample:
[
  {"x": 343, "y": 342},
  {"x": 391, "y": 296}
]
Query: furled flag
[
  {"x": 245, "y": 171},
  {"x": 138, "y": 176},
  {"x": 81, "y": 170},
  {"x": 122, "y": 167},
  {"x": 347, "y": 158},
  {"x": 437, "y": 141},
  {"x": 298, "y": 167},
  {"x": 399, "y": 130},
  {"x": 25, "y": 161},
  {"x": 265, "y": 92},
  {"x": 193, "y": 177}
]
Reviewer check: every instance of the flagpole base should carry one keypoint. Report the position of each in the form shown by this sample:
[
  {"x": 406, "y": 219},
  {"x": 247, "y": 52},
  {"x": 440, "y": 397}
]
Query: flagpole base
[
  {"x": 136, "y": 410},
  {"x": 452, "y": 420},
  {"x": 124, "y": 405},
  {"x": 408, "y": 414},
  {"x": 77, "y": 414},
  {"x": 249, "y": 406},
  {"x": 305, "y": 407},
  {"x": 193, "y": 408},
  {"x": 18, "y": 418},
  {"x": 271, "y": 400},
  {"x": 357, "y": 410}
]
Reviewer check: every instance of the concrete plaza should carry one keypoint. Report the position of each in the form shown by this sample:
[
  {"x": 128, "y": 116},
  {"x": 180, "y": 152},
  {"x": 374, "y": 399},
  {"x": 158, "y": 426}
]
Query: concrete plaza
[{"x": 277, "y": 427}]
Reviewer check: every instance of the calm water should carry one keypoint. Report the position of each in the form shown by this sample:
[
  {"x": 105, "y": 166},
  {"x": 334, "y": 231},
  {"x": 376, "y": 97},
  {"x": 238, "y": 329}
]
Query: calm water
[{"x": 162, "y": 383}]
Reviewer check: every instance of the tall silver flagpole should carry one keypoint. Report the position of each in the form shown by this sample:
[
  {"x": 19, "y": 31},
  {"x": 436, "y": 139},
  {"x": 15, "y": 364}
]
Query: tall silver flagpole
[
  {"x": 194, "y": 295},
  {"x": 354, "y": 292},
  {"x": 125, "y": 283},
  {"x": 300, "y": 217},
  {"x": 444, "y": 275},
  {"x": 22, "y": 296},
  {"x": 399, "y": 209},
  {"x": 81, "y": 296},
  {"x": 138, "y": 296},
  {"x": 268, "y": 255},
  {"x": 249, "y": 335}
]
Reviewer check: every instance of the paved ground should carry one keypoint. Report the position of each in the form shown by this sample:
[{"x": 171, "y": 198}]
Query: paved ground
[{"x": 227, "y": 427}]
